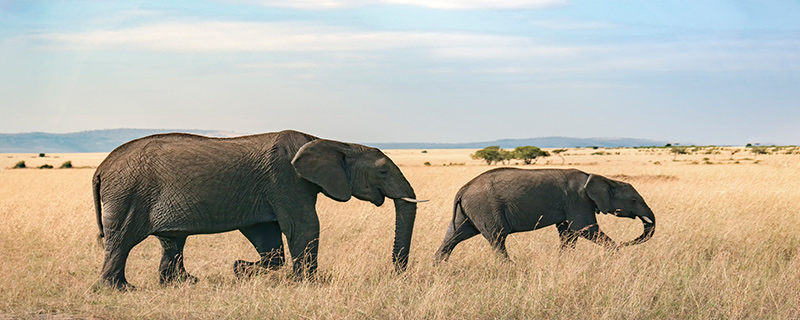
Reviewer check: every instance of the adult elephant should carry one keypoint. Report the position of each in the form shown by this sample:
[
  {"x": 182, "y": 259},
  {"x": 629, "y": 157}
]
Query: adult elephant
[
  {"x": 507, "y": 200},
  {"x": 175, "y": 185}
]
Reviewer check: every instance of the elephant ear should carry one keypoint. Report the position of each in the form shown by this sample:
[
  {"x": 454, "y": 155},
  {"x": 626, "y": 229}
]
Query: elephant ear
[
  {"x": 323, "y": 163},
  {"x": 600, "y": 189}
]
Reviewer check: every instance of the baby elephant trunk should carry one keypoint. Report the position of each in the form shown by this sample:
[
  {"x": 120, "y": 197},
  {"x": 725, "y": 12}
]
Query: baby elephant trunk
[{"x": 649, "y": 222}]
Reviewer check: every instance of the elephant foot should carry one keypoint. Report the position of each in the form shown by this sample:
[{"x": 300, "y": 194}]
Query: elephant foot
[
  {"x": 440, "y": 257},
  {"x": 121, "y": 286}
]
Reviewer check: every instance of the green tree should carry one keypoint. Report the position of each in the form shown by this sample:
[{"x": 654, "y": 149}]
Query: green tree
[
  {"x": 489, "y": 154},
  {"x": 558, "y": 153},
  {"x": 758, "y": 150},
  {"x": 507, "y": 156},
  {"x": 529, "y": 154},
  {"x": 678, "y": 150}
]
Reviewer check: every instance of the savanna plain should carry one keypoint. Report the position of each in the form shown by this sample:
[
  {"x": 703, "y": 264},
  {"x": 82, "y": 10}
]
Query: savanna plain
[{"x": 726, "y": 245}]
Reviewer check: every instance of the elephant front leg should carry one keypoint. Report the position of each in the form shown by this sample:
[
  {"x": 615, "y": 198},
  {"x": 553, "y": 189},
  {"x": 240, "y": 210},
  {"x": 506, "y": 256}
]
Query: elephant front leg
[
  {"x": 300, "y": 224},
  {"x": 171, "y": 268},
  {"x": 568, "y": 237},
  {"x": 266, "y": 238},
  {"x": 304, "y": 249},
  {"x": 499, "y": 246}
]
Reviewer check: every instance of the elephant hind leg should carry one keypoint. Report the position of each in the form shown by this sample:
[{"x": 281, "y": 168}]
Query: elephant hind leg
[
  {"x": 117, "y": 250},
  {"x": 171, "y": 268},
  {"x": 462, "y": 229},
  {"x": 266, "y": 238},
  {"x": 497, "y": 240}
]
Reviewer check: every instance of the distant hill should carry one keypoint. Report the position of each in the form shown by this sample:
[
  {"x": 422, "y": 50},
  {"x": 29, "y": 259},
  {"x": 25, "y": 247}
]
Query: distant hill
[
  {"x": 546, "y": 142},
  {"x": 107, "y": 140},
  {"x": 85, "y": 141}
]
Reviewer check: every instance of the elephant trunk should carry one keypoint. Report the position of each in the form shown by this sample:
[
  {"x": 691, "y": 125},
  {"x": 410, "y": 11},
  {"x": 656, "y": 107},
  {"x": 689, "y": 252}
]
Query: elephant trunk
[
  {"x": 406, "y": 213},
  {"x": 405, "y": 204},
  {"x": 649, "y": 222}
]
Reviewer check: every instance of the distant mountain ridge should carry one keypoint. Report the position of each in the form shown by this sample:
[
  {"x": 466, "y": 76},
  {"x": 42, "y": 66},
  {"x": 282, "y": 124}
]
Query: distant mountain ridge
[
  {"x": 85, "y": 141},
  {"x": 107, "y": 140},
  {"x": 544, "y": 142}
]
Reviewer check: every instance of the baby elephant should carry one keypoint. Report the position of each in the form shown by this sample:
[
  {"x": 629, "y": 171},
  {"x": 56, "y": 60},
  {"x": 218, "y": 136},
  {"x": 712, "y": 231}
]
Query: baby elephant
[{"x": 507, "y": 200}]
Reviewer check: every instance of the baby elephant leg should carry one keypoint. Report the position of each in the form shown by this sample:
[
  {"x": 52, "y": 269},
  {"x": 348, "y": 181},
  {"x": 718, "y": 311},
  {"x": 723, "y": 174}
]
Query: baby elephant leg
[
  {"x": 266, "y": 238},
  {"x": 457, "y": 232},
  {"x": 171, "y": 268}
]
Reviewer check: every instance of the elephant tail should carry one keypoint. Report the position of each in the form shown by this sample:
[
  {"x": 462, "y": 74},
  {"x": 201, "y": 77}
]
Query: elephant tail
[
  {"x": 98, "y": 208},
  {"x": 456, "y": 207}
]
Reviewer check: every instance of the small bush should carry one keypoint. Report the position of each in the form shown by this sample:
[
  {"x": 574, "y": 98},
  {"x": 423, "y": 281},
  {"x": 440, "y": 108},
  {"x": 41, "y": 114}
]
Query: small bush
[
  {"x": 424, "y": 151},
  {"x": 427, "y": 163},
  {"x": 46, "y": 166},
  {"x": 66, "y": 165},
  {"x": 41, "y": 155},
  {"x": 20, "y": 165}
]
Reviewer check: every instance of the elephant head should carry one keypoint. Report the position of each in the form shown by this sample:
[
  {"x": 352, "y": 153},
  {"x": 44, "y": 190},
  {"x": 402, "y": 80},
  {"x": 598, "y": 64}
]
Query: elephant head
[
  {"x": 622, "y": 200},
  {"x": 343, "y": 170}
]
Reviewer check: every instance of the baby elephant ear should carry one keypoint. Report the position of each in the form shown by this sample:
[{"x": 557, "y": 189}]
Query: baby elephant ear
[
  {"x": 600, "y": 190},
  {"x": 323, "y": 163}
]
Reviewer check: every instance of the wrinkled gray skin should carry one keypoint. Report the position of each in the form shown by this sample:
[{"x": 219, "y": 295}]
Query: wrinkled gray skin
[
  {"x": 175, "y": 185},
  {"x": 507, "y": 200}
]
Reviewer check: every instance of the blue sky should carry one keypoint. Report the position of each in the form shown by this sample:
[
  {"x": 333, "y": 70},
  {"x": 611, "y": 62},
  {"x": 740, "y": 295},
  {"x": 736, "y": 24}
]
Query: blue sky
[{"x": 705, "y": 72}]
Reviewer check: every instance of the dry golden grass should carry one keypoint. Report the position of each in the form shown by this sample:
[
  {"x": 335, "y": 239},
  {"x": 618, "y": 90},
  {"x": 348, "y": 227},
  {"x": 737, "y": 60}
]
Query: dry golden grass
[{"x": 726, "y": 246}]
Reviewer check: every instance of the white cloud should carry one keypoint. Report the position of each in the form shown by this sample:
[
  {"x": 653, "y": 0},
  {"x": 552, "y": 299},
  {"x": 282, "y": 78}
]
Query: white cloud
[
  {"x": 683, "y": 55},
  {"x": 261, "y": 37},
  {"x": 433, "y": 4},
  {"x": 519, "y": 51},
  {"x": 480, "y": 4},
  {"x": 572, "y": 24},
  {"x": 311, "y": 4},
  {"x": 124, "y": 16},
  {"x": 698, "y": 54},
  {"x": 288, "y": 65}
]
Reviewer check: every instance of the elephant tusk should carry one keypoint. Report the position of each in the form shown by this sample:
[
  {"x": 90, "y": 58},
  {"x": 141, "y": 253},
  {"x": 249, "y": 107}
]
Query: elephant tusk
[
  {"x": 646, "y": 219},
  {"x": 414, "y": 200}
]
